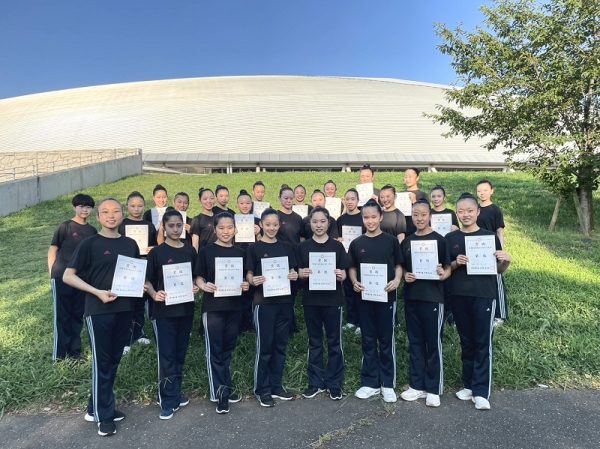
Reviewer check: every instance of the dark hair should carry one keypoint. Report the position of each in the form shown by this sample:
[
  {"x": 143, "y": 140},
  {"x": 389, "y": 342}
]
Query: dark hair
[
  {"x": 319, "y": 209},
  {"x": 170, "y": 213},
  {"x": 438, "y": 187},
  {"x": 415, "y": 169},
  {"x": 222, "y": 215},
  {"x": 467, "y": 196},
  {"x": 243, "y": 192},
  {"x": 183, "y": 194},
  {"x": 158, "y": 188},
  {"x": 372, "y": 203},
  {"x": 302, "y": 187},
  {"x": 388, "y": 187},
  {"x": 317, "y": 192},
  {"x": 257, "y": 183},
  {"x": 421, "y": 201},
  {"x": 284, "y": 187},
  {"x": 135, "y": 194},
  {"x": 485, "y": 181},
  {"x": 201, "y": 191},
  {"x": 268, "y": 211},
  {"x": 330, "y": 182},
  {"x": 109, "y": 198},
  {"x": 81, "y": 199},
  {"x": 353, "y": 190},
  {"x": 367, "y": 167},
  {"x": 219, "y": 188}
]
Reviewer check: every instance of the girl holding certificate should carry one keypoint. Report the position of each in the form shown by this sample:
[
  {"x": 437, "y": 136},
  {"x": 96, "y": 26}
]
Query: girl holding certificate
[
  {"x": 221, "y": 278},
  {"x": 160, "y": 198},
  {"x": 324, "y": 260},
  {"x": 172, "y": 313},
  {"x": 271, "y": 265},
  {"x": 438, "y": 200},
  {"x": 375, "y": 272},
  {"x": 393, "y": 221},
  {"x": 476, "y": 256},
  {"x": 108, "y": 316},
  {"x": 202, "y": 229},
  {"x": 427, "y": 264}
]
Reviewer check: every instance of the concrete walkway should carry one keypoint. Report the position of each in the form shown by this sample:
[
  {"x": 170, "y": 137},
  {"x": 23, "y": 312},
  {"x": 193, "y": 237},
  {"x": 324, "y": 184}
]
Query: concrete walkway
[{"x": 518, "y": 419}]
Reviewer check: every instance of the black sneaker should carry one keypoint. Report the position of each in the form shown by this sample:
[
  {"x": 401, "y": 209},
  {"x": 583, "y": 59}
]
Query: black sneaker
[
  {"x": 266, "y": 400},
  {"x": 223, "y": 400},
  {"x": 107, "y": 428},
  {"x": 282, "y": 394},
  {"x": 183, "y": 401},
  {"x": 311, "y": 392},
  {"x": 234, "y": 397},
  {"x": 335, "y": 394}
]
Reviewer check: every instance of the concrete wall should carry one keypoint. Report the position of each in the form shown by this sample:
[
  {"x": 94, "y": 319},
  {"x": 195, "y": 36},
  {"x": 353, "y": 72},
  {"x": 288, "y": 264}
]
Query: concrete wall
[{"x": 16, "y": 195}]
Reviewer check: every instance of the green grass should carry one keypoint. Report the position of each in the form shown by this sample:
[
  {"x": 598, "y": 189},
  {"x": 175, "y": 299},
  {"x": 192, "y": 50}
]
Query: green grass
[{"x": 552, "y": 337}]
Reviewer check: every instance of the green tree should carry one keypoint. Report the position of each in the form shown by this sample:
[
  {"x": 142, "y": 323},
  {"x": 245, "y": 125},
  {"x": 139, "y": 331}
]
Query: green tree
[{"x": 530, "y": 78}]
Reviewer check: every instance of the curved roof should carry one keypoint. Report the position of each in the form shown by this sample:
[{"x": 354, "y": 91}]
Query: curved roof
[{"x": 284, "y": 118}]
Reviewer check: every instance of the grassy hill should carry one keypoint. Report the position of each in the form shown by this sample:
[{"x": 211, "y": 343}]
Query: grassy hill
[{"x": 552, "y": 337}]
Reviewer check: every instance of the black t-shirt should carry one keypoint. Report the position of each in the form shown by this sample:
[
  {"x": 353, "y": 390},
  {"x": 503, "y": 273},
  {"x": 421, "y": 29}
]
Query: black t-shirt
[
  {"x": 218, "y": 210},
  {"x": 383, "y": 249},
  {"x": 393, "y": 223},
  {"x": 167, "y": 255},
  {"x": 490, "y": 218},
  {"x": 203, "y": 227},
  {"x": 206, "y": 269},
  {"x": 342, "y": 262},
  {"x": 95, "y": 260},
  {"x": 332, "y": 231},
  {"x": 151, "y": 229},
  {"x": 462, "y": 284},
  {"x": 263, "y": 250},
  {"x": 290, "y": 227},
  {"x": 447, "y": 211},
  {"x": 350, "y": 220},
  {"x": 425, "y": 289},
  {"x": 67, "y": 238}
]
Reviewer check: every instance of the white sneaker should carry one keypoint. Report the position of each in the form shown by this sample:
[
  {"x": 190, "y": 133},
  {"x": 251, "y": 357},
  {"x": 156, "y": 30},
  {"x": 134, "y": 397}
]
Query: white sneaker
[
  {"x": 126, "y": 350},
  {"x": 366, "y": 392},
  {"x": 465, "y": 394},
  {"x": 357, "y": 331},
  {"x": 412, "y": 395},
  {"x": 481, "y": 403},
  {"x": 432, "y": 400},
  {"x": 143, "y": 341},
  {"x": 389, "y": 395},
  {"x": 349, "y": 326}
]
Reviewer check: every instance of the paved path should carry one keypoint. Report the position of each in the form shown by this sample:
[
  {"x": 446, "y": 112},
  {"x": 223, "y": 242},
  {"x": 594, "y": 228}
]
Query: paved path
[{"x": 518, "y": 419}]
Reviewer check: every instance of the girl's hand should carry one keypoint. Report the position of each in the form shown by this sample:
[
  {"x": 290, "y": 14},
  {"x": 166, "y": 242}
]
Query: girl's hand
[
  {"x": 339, "y": 275},
  {"x": 149, "y": 248},
  {"x": 256, "y": 229},
  {"x": 258, "y": 280},
  {"x": 304, "y": 272},
  {"x": 245, "y": 286},
  {"x": 160, "y": 296},
  {"x": 392, "y": 285},
  {"x": 106, "y": 296},
  {"x": 439, "y": 269},
  {"x": 502, "y": 256},
  {"x": 209, "y": 287},
  {"x": 358, "y": 287},
  {"x": 187, "y": 227},
  {"x": 410, "y": 277},
  {"x": 461, "y": 259},
  {"x": 292, "y": 275},
  {"x": 195, "y": 289}
]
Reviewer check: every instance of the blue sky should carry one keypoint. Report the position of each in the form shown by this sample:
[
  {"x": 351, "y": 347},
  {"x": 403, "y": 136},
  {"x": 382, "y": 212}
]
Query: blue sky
[{"x": 49, "y": 45}]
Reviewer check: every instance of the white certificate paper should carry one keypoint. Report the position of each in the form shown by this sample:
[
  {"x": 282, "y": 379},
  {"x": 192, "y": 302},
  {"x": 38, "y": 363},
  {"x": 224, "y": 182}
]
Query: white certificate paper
[
  {"x": 424, "y": 258},
  {"x": 184, "y": 216},
  {"x": 139, "y": 233},
  {"x": 403, "y": 203},
  {"x": 480, "y": 250},
  {"x": 300, "y": 209},
  {"x": 365, "y": 192},
  {"x": 349, "y": 233},
  {"x": 129, "y": 277},
  {"x": 276, "y": 270},
  {"x": 258, "y": 207},
  {"x": 157, "y": 214},
  {"x": 373, "y": 276},
  {"x": 334, "y": 206},
  {"x": 178, "y": 283},
  {"x": 441, "y": 223},
  {"x": 229, "y": 272},
  {"x": 322, "y": 266},
  {"x": 244, "y": 224}
]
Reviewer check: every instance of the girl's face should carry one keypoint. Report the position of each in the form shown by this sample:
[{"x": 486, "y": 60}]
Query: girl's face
[
  {"x": 84, "y": 212},
  {"x": 225, "y": 230},
  {"x": 110, "y": 214},
  {"x": 181, "y": 203},
  {"x": 330, "y": 189},
  {"x": 270, "y": 225},
  {"x": 207, "y": 200},
  {"x": 410, "y": 179},
  {"x": 259, "y": 193},
  {"x": 174, "y": 227},
  {"x": 351, "y": 201},
  {"x": 286, "y": 199},
  {"x": 421, "y": 215},
  {"x": 467, "y": 211},
  {"x": 387, "y": 198},
  {"x": 223, "y": 198},
  {"x": 135, "y": 207},
  {"x": 319, "y": 224},
  {"x": 484, "y": 192},
  {"x": 437, "y": 197},
  {"x": 244, "y": 204},
  {"x": 371, "y": 218},
  {"x": 366, "y": 176},
  {"x": 299, "y": 195},
  {"x": 317, "y": 200},
  {"x": 160, "y": 198}
]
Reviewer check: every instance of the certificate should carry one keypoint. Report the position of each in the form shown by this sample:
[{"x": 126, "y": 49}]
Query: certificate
[
  {"x": 276, "y": 270},
  {"x": 322, "y": 266},
  {"x": 184, "y": 216},
  {"x": 373, "y": 276},
  {"x": 441, "y": 223},
  {"x": 228, "y": 276},
  {"x": 403, "y": 203},
  {"x": 157, "y": 214},
  {"x": 258, "y": 207},
  {"x": 300, "y": 209},
  {"x": 244, "y": 224},
  {"x": 480, "y": 250},
  {"x": 349, "y": 233},
  {"x": 365, "y": 192},
  {"x": 178, "y": 283},
  {"x": 129, "y": 277},
  {"x": 139, "y": 233},
  {"x": 424, "y": 259},
  {"x": 334, "y": 206}
]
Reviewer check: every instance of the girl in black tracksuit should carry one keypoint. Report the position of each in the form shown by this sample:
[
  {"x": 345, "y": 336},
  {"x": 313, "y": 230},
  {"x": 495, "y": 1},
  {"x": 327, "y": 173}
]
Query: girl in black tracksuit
[
  {"x": 323, "y": 309},
  {"x": 202, "y": 228}
]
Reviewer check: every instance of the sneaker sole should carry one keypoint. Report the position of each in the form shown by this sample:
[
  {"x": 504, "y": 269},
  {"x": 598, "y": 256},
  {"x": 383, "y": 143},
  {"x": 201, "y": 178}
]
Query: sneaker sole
[
  {"x": 367, "y": 397},
  {"x": 335, "y": 398},
  {"x": 413, "y": 398},
  {"x": 106, "y": 434},
  {"x": 164, "y": 418},
  {"x": 90, "y": 418},
  {"x": 432, "y": 404},
  {"x": 282, "y": 398},
  {"x": 222, "y": 412},
  {"x": 235, "y": 401},
  {"x": 470, "y": 398},
  {"x": 310, "y": 396}
]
